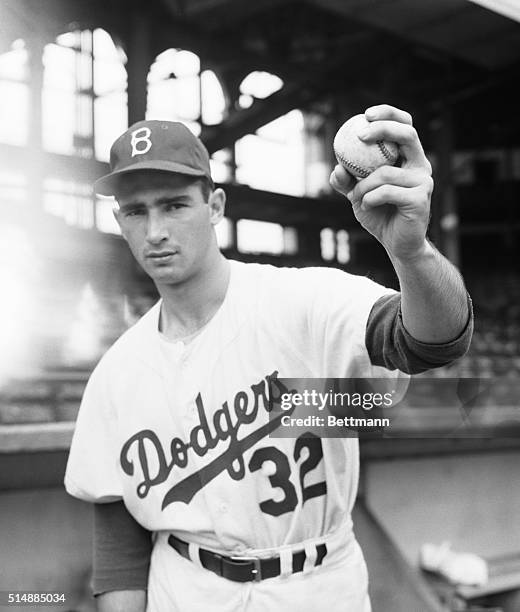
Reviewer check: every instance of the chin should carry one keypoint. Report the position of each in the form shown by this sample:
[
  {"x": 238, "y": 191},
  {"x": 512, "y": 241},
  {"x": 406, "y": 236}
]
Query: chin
[{"x": 169, "y": 275}]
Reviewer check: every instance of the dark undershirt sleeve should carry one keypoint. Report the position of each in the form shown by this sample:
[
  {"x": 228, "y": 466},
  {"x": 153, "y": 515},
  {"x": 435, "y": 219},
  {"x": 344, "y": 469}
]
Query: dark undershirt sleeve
[
  {"x": 122, "y": 549},
  {"x": 391, "y": 346}
]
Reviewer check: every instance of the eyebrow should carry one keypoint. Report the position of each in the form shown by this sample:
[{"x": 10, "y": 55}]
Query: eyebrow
[
  {"x": 168, "y": 199},
  {"x": 158, "y": 202}
]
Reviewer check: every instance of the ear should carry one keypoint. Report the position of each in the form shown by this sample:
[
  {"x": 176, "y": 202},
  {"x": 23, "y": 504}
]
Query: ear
[{"x": 217, "y": 205}]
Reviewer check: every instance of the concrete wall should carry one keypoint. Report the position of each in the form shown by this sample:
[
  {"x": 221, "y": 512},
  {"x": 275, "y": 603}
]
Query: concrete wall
[
  {"x": 46, "y": 545},
  {"x": 472, "y": 500}
]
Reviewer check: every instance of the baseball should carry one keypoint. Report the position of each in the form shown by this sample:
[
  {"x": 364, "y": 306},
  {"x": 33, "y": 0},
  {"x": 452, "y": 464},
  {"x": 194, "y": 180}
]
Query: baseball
[{"x": 358, "y": 157}]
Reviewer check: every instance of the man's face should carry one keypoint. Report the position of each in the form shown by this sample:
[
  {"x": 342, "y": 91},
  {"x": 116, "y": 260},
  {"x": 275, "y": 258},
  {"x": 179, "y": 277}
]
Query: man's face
[{"x": 167, "y": 223}]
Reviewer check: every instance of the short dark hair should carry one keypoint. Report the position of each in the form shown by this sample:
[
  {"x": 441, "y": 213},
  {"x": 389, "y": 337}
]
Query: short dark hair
[{"x": 207, "y": 186}]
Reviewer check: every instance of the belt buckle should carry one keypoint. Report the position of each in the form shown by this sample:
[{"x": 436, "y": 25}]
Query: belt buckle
[{"x": 257, "y": 570}]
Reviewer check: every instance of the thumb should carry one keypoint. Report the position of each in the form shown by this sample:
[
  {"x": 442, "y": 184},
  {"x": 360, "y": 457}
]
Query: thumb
[{"x": 341, "y": 180}]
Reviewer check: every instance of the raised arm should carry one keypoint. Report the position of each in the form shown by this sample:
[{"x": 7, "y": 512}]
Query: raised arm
[{"x": 393, "y": 204}]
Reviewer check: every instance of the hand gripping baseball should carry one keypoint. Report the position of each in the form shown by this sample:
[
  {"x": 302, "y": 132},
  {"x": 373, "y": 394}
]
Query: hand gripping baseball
[{"x": 392, "y": 203}]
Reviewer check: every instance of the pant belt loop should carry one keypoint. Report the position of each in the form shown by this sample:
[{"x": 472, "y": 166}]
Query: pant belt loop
[
  {"x": 286, "y": 568},
  {"x": 311, "y": 554},
  {"x": 193, "y": 550}
]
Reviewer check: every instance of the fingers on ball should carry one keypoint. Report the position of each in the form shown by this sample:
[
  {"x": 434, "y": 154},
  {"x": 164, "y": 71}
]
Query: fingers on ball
[
  {"x": 384, "y": 194},
  {"x": 416, "y": 197},
  {"x": 388, "y": 112},
  {"x": 392, "y": 175},
  {"x": 400, "y": 133}
]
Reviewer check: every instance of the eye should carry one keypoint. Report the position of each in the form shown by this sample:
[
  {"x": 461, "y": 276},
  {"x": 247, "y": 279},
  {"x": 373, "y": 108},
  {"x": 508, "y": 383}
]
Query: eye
[
  {"x": 134, "y": 213},
  {"x": 174, "y": 206}
]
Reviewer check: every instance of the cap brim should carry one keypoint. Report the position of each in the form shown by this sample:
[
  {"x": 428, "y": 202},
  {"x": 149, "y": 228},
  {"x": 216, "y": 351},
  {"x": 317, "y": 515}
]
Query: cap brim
[{"x": 106, "y": 185}]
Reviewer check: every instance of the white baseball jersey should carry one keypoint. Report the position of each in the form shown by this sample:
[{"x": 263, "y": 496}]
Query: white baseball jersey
[{"x": 180, "y": 433}]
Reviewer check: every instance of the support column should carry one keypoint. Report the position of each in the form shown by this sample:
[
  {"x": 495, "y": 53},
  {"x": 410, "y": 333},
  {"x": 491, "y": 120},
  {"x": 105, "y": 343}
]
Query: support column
[
  {"x": 445, "y": 210},
  {"x": 319, "y": 156},
  {"x": 309, "y": 242},
  {"x": 139, "y": 61},
  {"x": 231, "y": 84}
]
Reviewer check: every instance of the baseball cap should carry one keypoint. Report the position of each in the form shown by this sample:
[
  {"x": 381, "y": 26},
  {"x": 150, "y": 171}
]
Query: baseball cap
[{"x": 155, "y": 145}]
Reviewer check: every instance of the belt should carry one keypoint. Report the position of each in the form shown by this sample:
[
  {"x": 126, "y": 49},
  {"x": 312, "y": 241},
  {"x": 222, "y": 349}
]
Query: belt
[{"x": 245, "y": 569}]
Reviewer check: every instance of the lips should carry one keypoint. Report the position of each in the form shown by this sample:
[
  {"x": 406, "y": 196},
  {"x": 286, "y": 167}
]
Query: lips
[{"x": 160, "y": 255}]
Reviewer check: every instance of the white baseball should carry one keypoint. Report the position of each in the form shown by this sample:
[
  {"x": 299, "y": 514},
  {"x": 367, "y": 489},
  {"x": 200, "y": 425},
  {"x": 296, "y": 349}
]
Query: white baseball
[{"x": 358, "y": 157}]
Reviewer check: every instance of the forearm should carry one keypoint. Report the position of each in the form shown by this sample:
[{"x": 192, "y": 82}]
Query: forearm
[
  {"x": 122, "y": 601},
  {"x": 434, "y": 301},
  {"x": 122, "y": 549}
]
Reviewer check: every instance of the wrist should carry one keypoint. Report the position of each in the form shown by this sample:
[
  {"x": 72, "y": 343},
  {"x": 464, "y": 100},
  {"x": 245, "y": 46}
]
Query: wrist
[{"x": 424, "y": 253}]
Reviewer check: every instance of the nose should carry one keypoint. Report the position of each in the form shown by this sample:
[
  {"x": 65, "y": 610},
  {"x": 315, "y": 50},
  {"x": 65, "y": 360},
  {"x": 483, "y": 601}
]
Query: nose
[{"x": 156, "y": 230}]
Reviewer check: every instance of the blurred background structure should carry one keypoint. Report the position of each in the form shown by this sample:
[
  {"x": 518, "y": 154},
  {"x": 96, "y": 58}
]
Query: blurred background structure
[{"x": 265, "y": 84}]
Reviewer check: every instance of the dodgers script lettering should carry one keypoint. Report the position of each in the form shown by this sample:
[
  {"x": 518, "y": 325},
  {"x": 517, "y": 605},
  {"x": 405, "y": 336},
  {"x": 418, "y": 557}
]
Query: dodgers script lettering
[{"x": 224, "y": 428}]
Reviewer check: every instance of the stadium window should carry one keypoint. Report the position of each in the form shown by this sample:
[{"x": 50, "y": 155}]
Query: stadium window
[
  {"x": 13, "y": 189},
  {"x": 179, "y": 91},
  {"x": 260, "y": 84},
  {"x": 245, "y": 101},
  {"x": 174, "y": 88},
  {"x": 84, "y": 100},
  {"x": 67, "y": 105},
  {"x": 259, "y": 237},
  {"x": 221, "y": 166},
  {"x": 273, "y": 159},
  {"x": 213, "y": 99},
  {"x": 335, "y": 245},
  {"x": 110, "y": 97},
  {"x": 343, "y": 246},
  {"x": 328, "y": 244},
  {"x": 290, "y": 241},
  {"x": 70, "y": 200},
  {"x": 14, "y": 94}
]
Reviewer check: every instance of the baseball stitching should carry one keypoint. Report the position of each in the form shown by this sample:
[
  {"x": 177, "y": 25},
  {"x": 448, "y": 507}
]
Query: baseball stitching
[
  {"x": 361, "y": 171},
  {"x": 385, "y": 152}
]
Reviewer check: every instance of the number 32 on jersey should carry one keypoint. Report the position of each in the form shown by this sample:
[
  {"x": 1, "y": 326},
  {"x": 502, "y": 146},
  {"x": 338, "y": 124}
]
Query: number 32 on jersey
[{"x": 281, "y": 478}]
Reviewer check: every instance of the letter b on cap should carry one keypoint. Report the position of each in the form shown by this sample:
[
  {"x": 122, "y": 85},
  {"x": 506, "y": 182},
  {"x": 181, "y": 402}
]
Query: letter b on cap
[{"x": 141, "y": 142}]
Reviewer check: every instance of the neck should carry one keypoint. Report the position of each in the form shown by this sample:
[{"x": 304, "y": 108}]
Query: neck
[{"x": 189, "y": 306}]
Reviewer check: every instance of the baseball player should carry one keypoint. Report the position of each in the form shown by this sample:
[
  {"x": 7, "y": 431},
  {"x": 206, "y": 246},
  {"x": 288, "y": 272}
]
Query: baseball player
[{"x": 197, "y": 507}]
